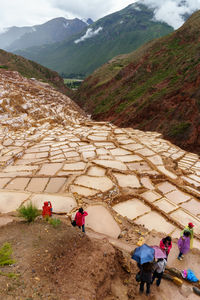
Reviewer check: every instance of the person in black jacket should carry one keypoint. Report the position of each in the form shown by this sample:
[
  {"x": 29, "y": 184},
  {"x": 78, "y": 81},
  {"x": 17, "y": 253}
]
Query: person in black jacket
[{"x": 146, "y": 271}]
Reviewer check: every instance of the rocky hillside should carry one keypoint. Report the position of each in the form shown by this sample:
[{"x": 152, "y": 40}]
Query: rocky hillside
[
  {"x": 153, "y": 88},
  {"x": 118, "y": 33},
  {"x": 30, "y": 69},
  {"x": 53, "y": 31},
  {"x": 131, "y": 183}
]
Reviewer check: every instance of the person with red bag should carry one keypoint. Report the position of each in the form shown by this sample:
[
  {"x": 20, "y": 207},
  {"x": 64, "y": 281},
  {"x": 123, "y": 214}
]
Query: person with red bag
[{"x": 80, "y": 218}]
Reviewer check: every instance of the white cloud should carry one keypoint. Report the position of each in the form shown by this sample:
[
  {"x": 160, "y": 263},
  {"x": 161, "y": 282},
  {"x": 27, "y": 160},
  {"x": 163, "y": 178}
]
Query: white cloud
[
  {"x": 89, "y": 34},
  {"x": 172, "y": 11},
  {"x": 33, "y": 12}
]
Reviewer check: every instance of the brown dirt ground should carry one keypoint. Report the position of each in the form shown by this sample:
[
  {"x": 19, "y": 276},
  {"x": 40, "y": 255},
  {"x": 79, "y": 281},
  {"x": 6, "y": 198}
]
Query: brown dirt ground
[{"x": 61, "y": 263}]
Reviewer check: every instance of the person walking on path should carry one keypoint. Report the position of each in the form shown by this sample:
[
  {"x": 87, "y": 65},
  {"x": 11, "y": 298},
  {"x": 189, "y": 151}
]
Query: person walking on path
[
  {"x": 184, "y": 244},
  {"x": 146, "y": 271},
  {"x": 166, "y": 245},
  {"x": 80, "y": 218},
  {"x": 159, "y": 268},
  {"x": 189, "y": 228}
]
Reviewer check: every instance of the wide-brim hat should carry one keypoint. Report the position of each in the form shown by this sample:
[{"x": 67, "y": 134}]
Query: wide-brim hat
[{"x": 191, "y": 225}]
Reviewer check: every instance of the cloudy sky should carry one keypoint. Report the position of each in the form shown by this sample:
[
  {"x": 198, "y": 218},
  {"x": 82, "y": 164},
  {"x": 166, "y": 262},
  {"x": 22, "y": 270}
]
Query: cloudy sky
[{"x": 32, "y": 12}]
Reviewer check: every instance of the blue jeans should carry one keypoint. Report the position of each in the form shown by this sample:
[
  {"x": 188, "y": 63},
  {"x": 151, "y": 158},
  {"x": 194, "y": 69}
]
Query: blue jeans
[
  {"x": 83, "y": 227},
  {"x": 180, "y": 254}
]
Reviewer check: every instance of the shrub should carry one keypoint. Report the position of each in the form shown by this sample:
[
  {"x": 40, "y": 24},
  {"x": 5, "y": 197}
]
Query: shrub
[
  {"x": 179, "y": 129},
  {"x": 29, "y": 212},
  {"x": 54, "y": 222},
  {"x": 5, "y": 255}
]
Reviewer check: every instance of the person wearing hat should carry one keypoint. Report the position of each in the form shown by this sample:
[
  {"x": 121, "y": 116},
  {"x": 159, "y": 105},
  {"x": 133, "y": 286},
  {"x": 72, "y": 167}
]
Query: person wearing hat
[{"x": 189, "y": 228}]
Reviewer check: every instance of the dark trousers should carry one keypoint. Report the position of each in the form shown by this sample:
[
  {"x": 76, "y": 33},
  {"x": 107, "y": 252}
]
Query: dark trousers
[
  {"x": 158, "y": 276},
  {"x": 83, "y": 227},
  {"x": 142, "y": 287},
  {"x": 180, "y": 254}
]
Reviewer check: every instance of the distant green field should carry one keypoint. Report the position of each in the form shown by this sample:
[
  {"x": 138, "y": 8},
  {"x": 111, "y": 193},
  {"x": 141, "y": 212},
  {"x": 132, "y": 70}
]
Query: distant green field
[{"x": 72, "y": 83}]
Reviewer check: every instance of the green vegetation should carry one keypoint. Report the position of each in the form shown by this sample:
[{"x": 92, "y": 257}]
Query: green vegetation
[
  {"x": 54, "y": 222},
  {"x": 3, "y": 67},
  {"x": 5, "y": 255},
  {"x": 179, "y": 129},
  {"x": 29, "y": 212}
]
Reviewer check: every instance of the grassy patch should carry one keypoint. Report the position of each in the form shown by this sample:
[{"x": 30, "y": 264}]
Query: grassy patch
[
  {"x": 5, "y": 255},
  {"x": 54, "y": 222},
  {"x": 29, "y": 212},
  {"x": 3, "y": 67},
  {"x": 179, "y": 129}
]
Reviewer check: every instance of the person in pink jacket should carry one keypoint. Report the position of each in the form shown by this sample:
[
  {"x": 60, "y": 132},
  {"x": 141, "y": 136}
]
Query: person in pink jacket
[
  {"x": 80, "y": 218},
  {"x": 166, "y": 245}
]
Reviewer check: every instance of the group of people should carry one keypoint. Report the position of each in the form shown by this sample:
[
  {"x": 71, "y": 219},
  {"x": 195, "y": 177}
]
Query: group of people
[
  {"x": 154, "y": 270},
  {"x": 79, "y": 219},
  {"x": 151, "y": 270}
]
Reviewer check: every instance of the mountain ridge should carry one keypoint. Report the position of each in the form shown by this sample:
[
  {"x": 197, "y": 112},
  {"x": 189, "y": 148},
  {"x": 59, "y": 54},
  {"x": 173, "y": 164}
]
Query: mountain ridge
[
  {"x": 117, "y": 33},
  {"x": 154, "y": 88},
  {"x": 52, "y": 31},
  {"x": 30, "y": 69}
]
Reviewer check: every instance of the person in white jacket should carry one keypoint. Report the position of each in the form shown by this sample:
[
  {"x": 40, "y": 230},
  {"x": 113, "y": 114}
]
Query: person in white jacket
[{"x": 159, "y": 268}]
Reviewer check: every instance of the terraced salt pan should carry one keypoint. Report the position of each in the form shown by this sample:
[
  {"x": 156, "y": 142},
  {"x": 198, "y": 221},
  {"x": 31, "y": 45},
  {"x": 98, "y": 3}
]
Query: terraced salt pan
[
  {"x": 96, "y": 171},
  {"x": 193, "y": 206},
  {"x": 127, "y": 180},
  {"x": 71, "y": 154},
  {"x": 37, "y": 185},
  {"x": 151, "y": 196},
  {"x": 119, "y": 151},
  {"x": 163, "y": 170},
  {"x": 191, "y": 181},
  {"x": 20, "y": 168},
  {"x": 83, "y": 190},
  {"x": 76, "y": 166},
  {"x": 10, "y": 201},
  {"x": 153, "y": 220},
  {"x": 184, "y": 218},
  {"x": 140, "y": 166},
  {"x": 107, "y": 145},
  {"x": 131, "y": 208},
  {"x": 165, "y": 205},
  {"x": 50, "y": 169},
  {"x": 156, "y": 160},
  {"x": 102, "y": 151},
  {"x": 113, "y": 164},
  {"x": 97, "y": 138},
  {"x": 18, "y": 184},
  {"x": 60, "y": 204},
  {"x": 88, "y": 154},
  {"x": 3, "y": 182},
  {"x": 55, "y": 185},
  {"x": 102, "y": 184},
  {"x": 100, "y": 220},
  {"x": 145, "y": 152},
  {"x": 177, "y": 196},
  {"x": 133, "y": 147},
  {"x": 128, "y": 158},
  {"x": 166, "y": 187},
  {"x": 146, "y": 182}
]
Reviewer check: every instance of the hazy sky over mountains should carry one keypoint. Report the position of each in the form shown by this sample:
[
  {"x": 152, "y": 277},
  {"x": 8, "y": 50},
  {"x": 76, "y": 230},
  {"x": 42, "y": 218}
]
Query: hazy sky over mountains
[{"x": 32, "y": 12}]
